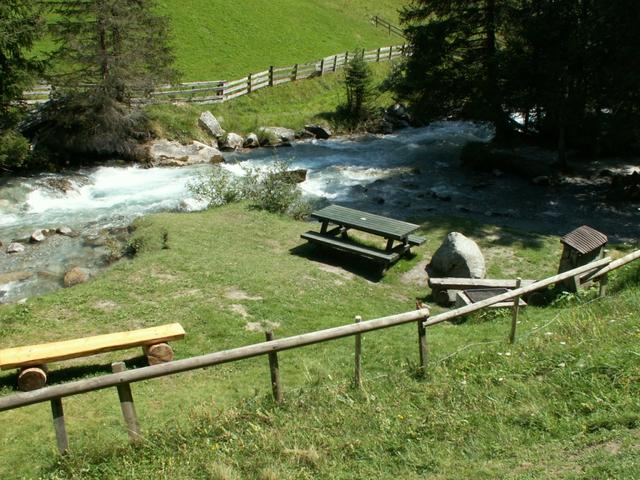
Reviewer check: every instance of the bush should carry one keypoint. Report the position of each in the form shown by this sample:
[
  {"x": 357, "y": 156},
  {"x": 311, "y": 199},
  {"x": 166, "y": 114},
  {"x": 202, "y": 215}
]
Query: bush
[
  {"x": 217, "y": 187},
  {"x": 274, "y": 189},
  {"x": 14, "y": 150}
]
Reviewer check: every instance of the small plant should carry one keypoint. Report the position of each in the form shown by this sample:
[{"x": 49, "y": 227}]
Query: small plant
[
  {"x": 218, "y": 187},
  {"x": 266, "y": 138}
]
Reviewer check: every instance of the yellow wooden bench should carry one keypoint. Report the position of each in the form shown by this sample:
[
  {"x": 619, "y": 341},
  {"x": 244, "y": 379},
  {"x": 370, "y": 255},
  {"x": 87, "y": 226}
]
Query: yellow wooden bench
[{"x": 32, "y": 359}]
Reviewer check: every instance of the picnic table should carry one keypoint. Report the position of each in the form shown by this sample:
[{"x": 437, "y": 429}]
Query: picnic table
[{"x": 344, "y": 219}]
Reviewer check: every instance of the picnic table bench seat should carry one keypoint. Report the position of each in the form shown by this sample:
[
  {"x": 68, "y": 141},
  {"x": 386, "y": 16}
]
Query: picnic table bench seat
[
  {"x": 32, "y": 359},
  {"x": 349, "y": 246}
]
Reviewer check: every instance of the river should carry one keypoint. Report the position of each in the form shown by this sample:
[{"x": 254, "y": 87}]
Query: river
[{"x": 412, "y": 174}]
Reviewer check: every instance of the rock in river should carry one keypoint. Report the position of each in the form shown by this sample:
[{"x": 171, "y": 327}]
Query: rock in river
[
  {"x": 75, "y": 276},
  {"x": 15, "y": 247}
]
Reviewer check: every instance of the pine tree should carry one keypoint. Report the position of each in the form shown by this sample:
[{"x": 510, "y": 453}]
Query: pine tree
[
  {"x": 358, "y": 89},
  {"x": 110, "y": 53}
]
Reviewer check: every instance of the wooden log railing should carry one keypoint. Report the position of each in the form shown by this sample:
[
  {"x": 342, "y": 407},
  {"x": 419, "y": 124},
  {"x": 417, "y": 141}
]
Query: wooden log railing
[
  {"x": 218, "y": 91},
  {"x": 120, "y": 377},
  {"x": 391, "y": 28}
]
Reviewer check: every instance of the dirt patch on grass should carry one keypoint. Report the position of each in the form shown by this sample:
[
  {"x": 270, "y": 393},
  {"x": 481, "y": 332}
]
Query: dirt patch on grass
[
  {"x": 192, "y": 292},
  {"x": 417, "y": 275},
  {"x": 341, "y": 272},
  {"x": 235, "y": 293},
  {"x": 106, "y": 305},
  {"x": 265, "y": 326},
  {"x": 240, "y": 310}
]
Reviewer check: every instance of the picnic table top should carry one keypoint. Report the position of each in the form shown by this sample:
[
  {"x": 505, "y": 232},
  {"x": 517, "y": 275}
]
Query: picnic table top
[{"x": 367, "y": 222}]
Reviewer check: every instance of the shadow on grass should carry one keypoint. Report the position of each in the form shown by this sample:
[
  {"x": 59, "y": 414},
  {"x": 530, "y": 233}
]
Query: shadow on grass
[
  {"x": 362, "y": 267},
  {"x": 69, "y": 374},
  {"x": 501, "y": 236}
]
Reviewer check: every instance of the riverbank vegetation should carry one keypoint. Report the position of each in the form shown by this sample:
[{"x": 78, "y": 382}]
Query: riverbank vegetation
[
  {"x": 557, "y": 74},
  {"x": 562, "y": 402}
]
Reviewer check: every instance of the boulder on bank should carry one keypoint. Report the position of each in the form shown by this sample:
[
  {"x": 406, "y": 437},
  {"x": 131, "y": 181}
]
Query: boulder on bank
[
  {"x": 165, "y": 153},
  {"x": 319, "y": 131},
  {"x": 251, "y": 141},
  {"x": 15, "y": 247},
  {"x": 210, "y": 124},
  {"x": 458, "y": 256},
  {"x": 231, "y": 141},
  {"x": 294, "y": 176},
  {"x": 280, "y": 134},
  {"x": 75, "y": 276},
  {"x": 38, "y": 236},
  {"x": 66, "y": 231}
]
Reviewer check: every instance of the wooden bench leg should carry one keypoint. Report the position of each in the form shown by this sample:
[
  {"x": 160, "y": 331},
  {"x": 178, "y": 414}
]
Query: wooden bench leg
[
  {"x": 389, "y": 244},
  {"x": 158, "y": 353},
  {"x": 32, "y": 378}
]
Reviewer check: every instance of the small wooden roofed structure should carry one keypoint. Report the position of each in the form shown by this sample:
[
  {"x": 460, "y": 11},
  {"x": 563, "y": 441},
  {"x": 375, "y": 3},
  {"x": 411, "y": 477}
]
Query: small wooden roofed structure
[{"x": 581, "y": 246}]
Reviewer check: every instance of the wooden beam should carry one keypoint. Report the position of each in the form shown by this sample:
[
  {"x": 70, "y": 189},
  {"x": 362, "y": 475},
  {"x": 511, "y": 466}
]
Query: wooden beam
[
  {"x": 58, "y": 424},
  {"x": 127, "y": 406},
  {"x": 357, "y": 378},
  {"x": 274, "y": 370},
  {"x": 56, "y": 351}
]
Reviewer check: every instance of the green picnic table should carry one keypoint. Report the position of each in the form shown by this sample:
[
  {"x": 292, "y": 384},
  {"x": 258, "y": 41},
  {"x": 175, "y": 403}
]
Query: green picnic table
[{"x": 343, "y": 219}]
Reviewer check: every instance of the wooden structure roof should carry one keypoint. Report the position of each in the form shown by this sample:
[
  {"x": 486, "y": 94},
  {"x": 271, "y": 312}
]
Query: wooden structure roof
[{"x": 584, "y": 239}]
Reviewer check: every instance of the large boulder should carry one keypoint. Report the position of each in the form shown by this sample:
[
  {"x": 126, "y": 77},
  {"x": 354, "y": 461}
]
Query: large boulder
[
  {"x": 75, "y": 276},
  {"x": 280, "y": 134},
  {"x": 173, "y": 154},
  {"x": 319, "y": 131},
  {"x": 38, "y": 236},
  {"x": 231, "y": 141},
  {"x": 210, "y": 124},
  {"x": 458, "y": 256}
]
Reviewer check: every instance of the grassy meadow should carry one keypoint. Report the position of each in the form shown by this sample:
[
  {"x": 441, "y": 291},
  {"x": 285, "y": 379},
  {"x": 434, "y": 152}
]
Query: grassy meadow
[
  {"x": 562, "y": 403},
  {"x": 222, "y": 40}
]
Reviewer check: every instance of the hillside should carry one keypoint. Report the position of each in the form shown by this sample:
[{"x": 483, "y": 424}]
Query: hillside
[
  {"x": 561, "y": 403},
  {"x": 222, "y": 40}
]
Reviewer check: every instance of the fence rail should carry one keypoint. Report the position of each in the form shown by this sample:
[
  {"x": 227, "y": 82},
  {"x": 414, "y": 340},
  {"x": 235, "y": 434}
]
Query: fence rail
[
  {"x": 391, "y": 28},
  {"x": 121, "y": 379},
  {"x": 217, "y": 91}
]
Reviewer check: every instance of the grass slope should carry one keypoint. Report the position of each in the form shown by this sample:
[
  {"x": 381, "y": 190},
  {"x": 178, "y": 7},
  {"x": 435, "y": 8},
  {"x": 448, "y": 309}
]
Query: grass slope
[
  {"x": 563, "y": 403},
  {"x": 222, "y": 40}
]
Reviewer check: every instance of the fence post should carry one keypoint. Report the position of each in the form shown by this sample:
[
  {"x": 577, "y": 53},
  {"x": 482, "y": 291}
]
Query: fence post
[
  {"x": 271, "y": 76},
  {"x": 514, "y": 313},
  {"x": 422, "y": 341},
  {"x": 249, "y": 80},
  {"x": 604, "y": 281},
  {"x": 58, "y": 424},
  {"x": 346, "y": 58},
  {"x": 390, "y": 52},
  {"x": 357, "y": 379},
  {"x": 322, "y": 67},
  {"x": 275, "y": 372},
  {"x": 378, "y": 55},
  {"x": 127, "y": 406},
  {"x": 295, "y": 72}
]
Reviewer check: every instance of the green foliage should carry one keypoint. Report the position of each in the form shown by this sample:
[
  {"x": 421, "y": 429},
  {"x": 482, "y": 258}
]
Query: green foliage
[
  {"x": 358, "y": 89},
  {"x": 108, "y": 53},
  {"x": 217, "y": 187},
  {"x": 20, "y": 27},
  {"x": 14, "y": 150}
]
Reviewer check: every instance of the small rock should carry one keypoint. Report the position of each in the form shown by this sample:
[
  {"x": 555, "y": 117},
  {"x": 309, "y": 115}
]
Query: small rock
[
  {"x": 282, "y": 134},
  {"x": 66, "y": 231},
  {"x": 543, "y": 180},
  {"x": 251, "y": 141},
  {"x": 37, "y": 236},
  {"x": 211, "y": 124},
  {"x": 75, "y": 276},
  {"x": 174, "y": 154},
  {"x": 319, "y": 131},
  {"x": 304, "y": 135},
  {"x": 62, "y": 184},
  {"x": 231, "y": 141},
  {"x": 15, "y": 247}
]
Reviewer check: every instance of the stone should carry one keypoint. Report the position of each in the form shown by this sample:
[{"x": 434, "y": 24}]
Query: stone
[
  {"x": 305, "y": 135},
  {"x": 62, "y": 184},
  {"x": 66, "y": 231},
  {"x": 281, "y": 134},
  {"x": 458, "y": 256},
  {"x": 75, "y": 276},
  {"x": 14, "y": 277},
  {"x": 297, "y": 176},
  {"x": 166, "y": 153},
  {"x": 251, "y": 141},
  {"x": 210, "y": 124},
  {"x": 15, "y": 247},
  {"x": 231, "y": 141},
  {"x": 319, "y": 131},
  {"x": 37, "y": 236}
]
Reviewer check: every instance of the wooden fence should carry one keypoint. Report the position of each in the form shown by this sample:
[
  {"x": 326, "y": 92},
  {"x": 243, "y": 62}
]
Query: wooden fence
[
  {"x": 121, "y": 378},
  {"x": 391, "y": 28},
  {"x": 222, "y": 90}
]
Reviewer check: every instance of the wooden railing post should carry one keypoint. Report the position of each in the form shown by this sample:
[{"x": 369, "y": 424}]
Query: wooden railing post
[
  {"x": 322, "y": 67},
  {"x": 514, "y": 313},
  {"x": 127, "y": 406},
  {"x": 390, "y": 52},
  {"x": 295, "y": 72},
  {"x": 271, "y": 76},
  {"x": 604, "y": 281},
  {"x": 378, "y": 55},
  {"x": 335, "y": 62},
  {"x": 275, "y": 372},
  {"x": 346, "y": 58},
  {"x": 422, "y": 340},
  {"x": 249, "y": 80},
  {"x": 357, "y": 379},
  {"x": 58, "y": 424}
]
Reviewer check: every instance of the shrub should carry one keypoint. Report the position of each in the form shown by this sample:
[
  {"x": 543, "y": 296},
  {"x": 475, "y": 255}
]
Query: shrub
[
  {"x": 14, "y": 150},
  {"x": 217, "y": 187}
]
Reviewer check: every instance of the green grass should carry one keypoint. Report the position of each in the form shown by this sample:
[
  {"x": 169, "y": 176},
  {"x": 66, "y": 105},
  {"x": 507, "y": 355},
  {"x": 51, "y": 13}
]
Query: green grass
[
  {"x": 223, "y": 40},
  {"x": 562, "y": 403},
  {"x": 291, "y": 105}
]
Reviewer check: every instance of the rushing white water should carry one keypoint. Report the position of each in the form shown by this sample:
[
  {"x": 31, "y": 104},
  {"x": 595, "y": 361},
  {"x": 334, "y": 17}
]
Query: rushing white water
[{"x": 412, "y": 174}]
